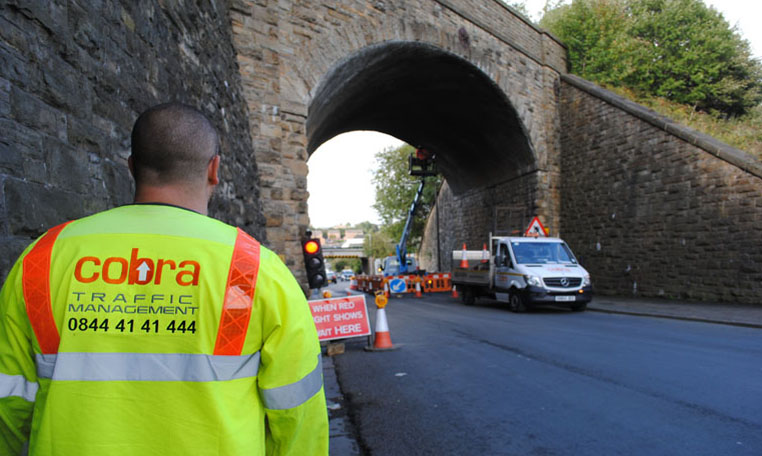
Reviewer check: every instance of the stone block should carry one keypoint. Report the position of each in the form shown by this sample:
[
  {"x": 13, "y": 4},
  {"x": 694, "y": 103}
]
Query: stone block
[
  {"x": 68, "y": 167},
  {"x": 21, "y": 140},
  {"x": 11, "y": 159},
  {"x": 12, "y": 247},
  {"x": 32, "y": 208},
  {"x": 65, "y": 88},
  {"x": 5, "y": 98},
  {"x": 32, "y": 112}
]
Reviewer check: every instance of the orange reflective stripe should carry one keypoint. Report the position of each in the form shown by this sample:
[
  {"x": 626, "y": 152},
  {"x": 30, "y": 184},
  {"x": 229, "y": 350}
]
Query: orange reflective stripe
[
  {"x": 239, "y": 293},
  {"x": 36, "y": 286}
]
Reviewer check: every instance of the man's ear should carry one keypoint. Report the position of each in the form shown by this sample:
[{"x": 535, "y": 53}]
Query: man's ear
[{"x": 212, "y": 171}]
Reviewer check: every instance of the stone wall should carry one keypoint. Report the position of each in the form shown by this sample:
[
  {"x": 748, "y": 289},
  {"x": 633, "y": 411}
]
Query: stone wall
[
  {"x": 285, "y": 49},
  {"x": 504, "y": 209},
  {"x": 653, "y": 208},
  {"x": 73, "y": 78}
]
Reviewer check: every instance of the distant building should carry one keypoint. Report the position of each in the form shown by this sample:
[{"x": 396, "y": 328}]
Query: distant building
[
  {"x": 353, "y": 243},
  {"x": 336, "y": 236}
]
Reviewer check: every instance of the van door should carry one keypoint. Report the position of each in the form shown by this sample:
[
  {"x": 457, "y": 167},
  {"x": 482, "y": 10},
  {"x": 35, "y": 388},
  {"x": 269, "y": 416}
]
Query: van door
[{"x": 502, "y": 266}]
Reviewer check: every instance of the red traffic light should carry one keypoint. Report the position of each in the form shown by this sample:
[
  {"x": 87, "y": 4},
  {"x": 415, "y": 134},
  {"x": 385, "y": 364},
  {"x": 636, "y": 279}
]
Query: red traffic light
[{"x": 311, "y": 247}]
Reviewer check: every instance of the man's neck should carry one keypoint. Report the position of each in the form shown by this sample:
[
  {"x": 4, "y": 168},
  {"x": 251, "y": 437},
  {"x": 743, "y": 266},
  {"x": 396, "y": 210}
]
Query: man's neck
[{"x": 175, "y": 196}]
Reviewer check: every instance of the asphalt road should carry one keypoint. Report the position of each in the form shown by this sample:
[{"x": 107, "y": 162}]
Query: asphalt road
[{"x": 484, "y": 381}]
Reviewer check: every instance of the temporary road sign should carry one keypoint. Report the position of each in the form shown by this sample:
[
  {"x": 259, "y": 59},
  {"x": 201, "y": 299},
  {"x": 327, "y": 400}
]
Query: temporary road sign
[
  {"x": 535, "y": 228},
  {"x": 340, "y": 318},
  {"x": 397, "y": 286}
]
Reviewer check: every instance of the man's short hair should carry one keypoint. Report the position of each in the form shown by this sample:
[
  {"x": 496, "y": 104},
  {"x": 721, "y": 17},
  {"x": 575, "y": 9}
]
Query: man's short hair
[{"x": 172, "y": 143}]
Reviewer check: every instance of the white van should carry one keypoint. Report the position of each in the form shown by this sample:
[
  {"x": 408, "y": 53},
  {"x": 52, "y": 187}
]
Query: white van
[{"x": 523, "y": 272}]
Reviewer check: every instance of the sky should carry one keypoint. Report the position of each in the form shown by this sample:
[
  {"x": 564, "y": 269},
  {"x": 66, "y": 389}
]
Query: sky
[
  {"x": 340, "y": 170},
  {"x": 339, "y": 179}
]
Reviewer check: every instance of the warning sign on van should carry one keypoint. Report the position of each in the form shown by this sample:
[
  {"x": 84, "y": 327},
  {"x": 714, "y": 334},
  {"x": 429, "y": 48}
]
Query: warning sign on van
[
  {"x": 535, "y": 229},
  {"x": 340, "y": 318}
]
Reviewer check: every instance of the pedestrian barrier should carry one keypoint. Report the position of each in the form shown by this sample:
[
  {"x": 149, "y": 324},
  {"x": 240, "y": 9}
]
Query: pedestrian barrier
[
  {"x": 428, "y": 283},
  {"x": 437, "y": 283}
]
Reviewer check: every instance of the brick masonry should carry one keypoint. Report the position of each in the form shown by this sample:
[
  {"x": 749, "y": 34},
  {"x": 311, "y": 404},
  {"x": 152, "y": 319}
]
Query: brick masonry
[
  {"x": 667, "y": 207},
  {"x": 469, "y": 218},
  {"x": 73, "y": 78},
  {"x": 650, "y": 207},
  {"x": 285, "y": 49}
]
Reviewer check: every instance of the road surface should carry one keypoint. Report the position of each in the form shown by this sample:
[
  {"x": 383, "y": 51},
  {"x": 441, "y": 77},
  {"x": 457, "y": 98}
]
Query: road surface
[{"x": 484, "y": 381}]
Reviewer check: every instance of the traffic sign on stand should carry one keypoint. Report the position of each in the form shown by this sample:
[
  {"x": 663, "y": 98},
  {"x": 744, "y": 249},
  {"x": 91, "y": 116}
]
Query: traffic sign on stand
[
  {"x": 340, "y": 318},
  {"x": 397, "y": 286},
  {"x": 535, "y": 229}
]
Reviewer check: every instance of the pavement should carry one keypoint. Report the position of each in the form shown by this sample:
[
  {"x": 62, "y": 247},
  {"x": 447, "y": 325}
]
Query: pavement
[
  {"x": 343, "y": 439},
  {"x": 708, "y": 312}
]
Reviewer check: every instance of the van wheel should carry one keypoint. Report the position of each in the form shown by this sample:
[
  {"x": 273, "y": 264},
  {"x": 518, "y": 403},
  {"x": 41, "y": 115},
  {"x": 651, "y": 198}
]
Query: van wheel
[
  {"x": 468, "y": 296},
  {"x": 516, "y": 303}
]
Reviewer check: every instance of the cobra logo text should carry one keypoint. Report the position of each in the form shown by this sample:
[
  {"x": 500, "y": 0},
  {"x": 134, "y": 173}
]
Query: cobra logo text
[{"x": 136, "y": 270}]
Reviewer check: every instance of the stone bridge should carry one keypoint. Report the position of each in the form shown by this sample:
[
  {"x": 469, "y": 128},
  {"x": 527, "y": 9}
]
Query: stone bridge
[{"x": 650, "y": 207}]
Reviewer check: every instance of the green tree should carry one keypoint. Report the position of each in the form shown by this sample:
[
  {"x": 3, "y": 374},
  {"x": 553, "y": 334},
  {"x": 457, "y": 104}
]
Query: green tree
[
  {"x": 395, "y": 192},
  {"x": 346, "y": 263},
  {"x": 688, "y": 53},
  {"x": 519, "y": 6},
  {"x": 366, "y": 227},
  {"x": 680, "y": 50},
  {"x": 378, "y": 244},
  {"x": 595, "y": 32}
]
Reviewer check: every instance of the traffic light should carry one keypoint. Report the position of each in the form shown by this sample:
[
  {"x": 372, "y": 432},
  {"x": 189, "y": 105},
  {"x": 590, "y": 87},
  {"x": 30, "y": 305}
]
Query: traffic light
[{"x": 313, "y": 261}]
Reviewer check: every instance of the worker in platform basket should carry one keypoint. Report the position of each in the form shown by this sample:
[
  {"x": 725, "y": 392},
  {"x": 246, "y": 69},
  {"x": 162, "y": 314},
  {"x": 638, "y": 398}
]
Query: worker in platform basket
[{"x": 152, "y": 329}]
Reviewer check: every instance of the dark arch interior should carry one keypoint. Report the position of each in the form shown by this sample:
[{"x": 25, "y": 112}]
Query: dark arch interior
[{"x": 426, "y": 97}]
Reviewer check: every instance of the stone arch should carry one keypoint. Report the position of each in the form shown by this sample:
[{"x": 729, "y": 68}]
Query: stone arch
[
  {"x": 287, "y": 54},
  {"x": 425, "y": 96}
]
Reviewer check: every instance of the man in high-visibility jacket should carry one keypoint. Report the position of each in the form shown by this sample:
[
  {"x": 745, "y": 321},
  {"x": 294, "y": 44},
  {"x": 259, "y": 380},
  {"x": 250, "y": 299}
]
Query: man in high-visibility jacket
[{"x": 152, "y": 329}]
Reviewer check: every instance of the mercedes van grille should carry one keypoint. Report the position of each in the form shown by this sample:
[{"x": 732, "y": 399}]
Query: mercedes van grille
[{"x": 563, "y": 282}]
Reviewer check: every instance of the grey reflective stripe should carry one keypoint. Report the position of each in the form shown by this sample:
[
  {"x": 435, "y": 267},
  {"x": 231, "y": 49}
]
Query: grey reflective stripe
[
  {"x": 152, "y": 367},
  {"x": 17, "y": 385},
  {"x": 45, "y": 365},
  {"x": 294, "y": 394}
]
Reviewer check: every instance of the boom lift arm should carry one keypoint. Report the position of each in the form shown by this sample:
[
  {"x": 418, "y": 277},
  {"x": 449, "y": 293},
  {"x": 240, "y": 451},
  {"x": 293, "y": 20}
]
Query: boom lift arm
[
  {"x": 401, "y": 248},
  {"x": 421, "y": 164}
]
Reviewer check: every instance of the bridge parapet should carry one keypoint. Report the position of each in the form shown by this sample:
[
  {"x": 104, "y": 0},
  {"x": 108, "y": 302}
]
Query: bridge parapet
[{"x": 334, "y": 252}]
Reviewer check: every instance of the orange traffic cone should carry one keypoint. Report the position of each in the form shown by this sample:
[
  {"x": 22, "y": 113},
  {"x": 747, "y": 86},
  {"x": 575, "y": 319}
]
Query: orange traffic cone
[
  {"x": 454, "y": 292},
  {"x": 485, "y": 254},
  {"x": 386, "y": 289},
  {"x": 418, "y": 289},
  {"x": 383, "y": 340},
  {"x": 463, "y": 260}
]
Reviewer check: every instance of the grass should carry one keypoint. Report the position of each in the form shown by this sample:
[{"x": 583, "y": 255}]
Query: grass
[{"x": 744, "y": 133}]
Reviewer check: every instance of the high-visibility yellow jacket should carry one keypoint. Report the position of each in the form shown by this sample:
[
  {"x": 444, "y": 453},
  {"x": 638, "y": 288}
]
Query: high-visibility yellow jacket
[{"x": 154, "y": 330}]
